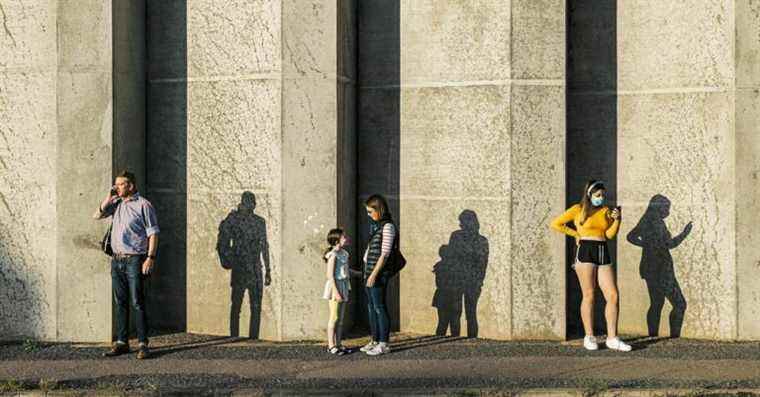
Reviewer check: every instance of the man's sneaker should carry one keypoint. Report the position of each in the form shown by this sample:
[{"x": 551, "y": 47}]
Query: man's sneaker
[
  {"x": 117, "y": 349},
  {"x": 143, "y": 352},
  {"x": 369, "y": 346},
  {"x": 617, "y": 344},
  {"x": 380, "y": 348},
  {"x": 589, "y": 342}
]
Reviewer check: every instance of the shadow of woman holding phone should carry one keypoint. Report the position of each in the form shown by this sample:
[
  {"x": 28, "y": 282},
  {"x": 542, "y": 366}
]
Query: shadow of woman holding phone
[{"x": 656, "y": 267}]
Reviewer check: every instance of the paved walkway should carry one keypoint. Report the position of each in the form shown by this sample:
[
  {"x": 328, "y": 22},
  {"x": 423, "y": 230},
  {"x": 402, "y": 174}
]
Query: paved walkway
[{"x": 417, "y": 365}]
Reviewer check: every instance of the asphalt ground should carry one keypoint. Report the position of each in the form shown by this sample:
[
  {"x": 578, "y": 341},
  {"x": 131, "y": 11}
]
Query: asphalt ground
[{"x": 417, "y": 365}]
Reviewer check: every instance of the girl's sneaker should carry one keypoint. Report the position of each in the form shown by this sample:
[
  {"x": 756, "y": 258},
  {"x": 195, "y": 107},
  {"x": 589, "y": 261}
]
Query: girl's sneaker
[
  {"x": 589, "y": 342},
  {"x": 617, "y": 344},
  {"x": 380, "y": 348},
  {"x": 369, "y": 346},
  {"x": 336, "y": 351}
]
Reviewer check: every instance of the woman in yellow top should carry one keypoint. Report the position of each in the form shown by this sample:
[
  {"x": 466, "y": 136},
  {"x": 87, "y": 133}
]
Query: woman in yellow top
[{"x": 595, "y": 223}]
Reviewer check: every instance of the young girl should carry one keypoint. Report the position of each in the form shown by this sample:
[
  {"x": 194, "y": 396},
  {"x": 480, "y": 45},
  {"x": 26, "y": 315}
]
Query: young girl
[
  {"x": 337, "y": 287},
  {"x": 595, "y": 223}
]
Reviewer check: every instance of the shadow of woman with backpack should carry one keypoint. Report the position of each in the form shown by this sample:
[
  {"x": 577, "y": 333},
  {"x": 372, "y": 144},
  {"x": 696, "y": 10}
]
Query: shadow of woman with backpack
[{"x": 459, "y": 277}]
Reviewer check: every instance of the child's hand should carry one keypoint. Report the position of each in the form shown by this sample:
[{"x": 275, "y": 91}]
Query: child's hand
[{"x": 336, "y": 296}]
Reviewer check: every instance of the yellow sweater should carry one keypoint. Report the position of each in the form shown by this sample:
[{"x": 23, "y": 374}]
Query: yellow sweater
[{"x": 597, "y": 225}]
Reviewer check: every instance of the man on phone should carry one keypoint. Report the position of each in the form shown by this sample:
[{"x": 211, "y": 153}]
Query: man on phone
[{"x": 134, "y": 241}]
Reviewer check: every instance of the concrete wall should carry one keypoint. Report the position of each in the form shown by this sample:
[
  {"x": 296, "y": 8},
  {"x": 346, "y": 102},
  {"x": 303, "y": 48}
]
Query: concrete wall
[
  {"x": 60, "y": 147},
  {"x": 676, "y": 139},
  {"x": 29, "y": 129},
  {"x": 166, "y": 158},
  {"x": 264, "y": 115},
  {"x": 480, "y": 85},
  {"x": 747, "y": 58}
]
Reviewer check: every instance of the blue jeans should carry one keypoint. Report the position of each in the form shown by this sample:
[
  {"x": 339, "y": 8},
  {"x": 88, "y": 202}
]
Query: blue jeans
[
  {"x": 127, "y": 283},
  {"x": 379, "y": 321}
]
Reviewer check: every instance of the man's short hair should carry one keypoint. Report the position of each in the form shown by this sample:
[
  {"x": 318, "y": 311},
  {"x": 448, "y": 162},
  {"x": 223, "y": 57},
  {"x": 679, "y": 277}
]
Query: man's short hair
[{"x": 129, "y": 176}]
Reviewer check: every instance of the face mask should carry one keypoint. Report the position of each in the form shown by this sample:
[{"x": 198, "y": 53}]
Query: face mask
[{"x": 597, "y": 201}]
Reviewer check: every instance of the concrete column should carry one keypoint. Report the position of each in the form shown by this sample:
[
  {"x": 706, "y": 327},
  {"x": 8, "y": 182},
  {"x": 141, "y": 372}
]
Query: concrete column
[
  {"x": 264, "y": 116},
  {"x": 747, "y": 58},
  {"x": 29, "y": 129},
  {"x": 166, "y": 157},
  {"x": 481, "y": 120},
  {"x": 59, "y": 153},
  {"x": 677, "y": 156}
]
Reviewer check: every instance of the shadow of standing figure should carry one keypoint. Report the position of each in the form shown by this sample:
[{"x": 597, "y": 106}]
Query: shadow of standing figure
[
  {"x": 656, "y": 268},
  {"x": 459, "y": 277},
  {"x": 243, "y": 248}
]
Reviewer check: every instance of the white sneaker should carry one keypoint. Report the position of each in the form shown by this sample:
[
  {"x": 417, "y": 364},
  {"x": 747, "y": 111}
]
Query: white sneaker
[
  {"x": 589, "y": 342},
  {"x": 617, "y": 344},
  {"x": 380, "y": 348},
  {"x": 369, "y": 346}
]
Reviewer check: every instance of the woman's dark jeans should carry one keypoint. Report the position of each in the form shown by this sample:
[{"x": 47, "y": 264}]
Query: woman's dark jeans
[
  {"x": 379, "y": 321},
  {"x": 127, "y": 283}
]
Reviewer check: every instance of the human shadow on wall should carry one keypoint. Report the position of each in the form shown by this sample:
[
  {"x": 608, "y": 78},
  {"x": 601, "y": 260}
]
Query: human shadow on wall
[
  {"x": 656, "y": 267},
  {"x": 243, "y": 249},
  {"x": 459, "y": 277}
]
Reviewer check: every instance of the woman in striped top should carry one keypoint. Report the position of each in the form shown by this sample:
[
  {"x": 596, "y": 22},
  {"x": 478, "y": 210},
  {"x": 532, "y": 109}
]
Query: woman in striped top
[{"x": 383, "y": 240}]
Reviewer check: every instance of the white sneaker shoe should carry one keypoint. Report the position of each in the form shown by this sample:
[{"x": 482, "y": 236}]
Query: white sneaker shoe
[
  {"x": 589, "y": 342},
  {"x": 380, "y": 348},
  {"x": 369, "y": 346},
  {"x": 617, "y": 344}
]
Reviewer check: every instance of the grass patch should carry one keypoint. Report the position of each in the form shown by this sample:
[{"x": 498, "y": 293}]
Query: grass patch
[
  {"x": 31, "y": 346},
  {"x": 11, "y": 386}
]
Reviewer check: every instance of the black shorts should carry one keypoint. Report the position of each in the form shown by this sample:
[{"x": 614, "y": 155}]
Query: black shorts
[{"x": 596, "y": 252}]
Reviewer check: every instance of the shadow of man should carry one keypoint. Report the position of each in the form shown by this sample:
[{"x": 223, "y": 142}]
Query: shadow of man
[
  {"x": 656, "y": 267},
  {"x": 243, "y": 248},
  {"x": 459, "y": 277}
]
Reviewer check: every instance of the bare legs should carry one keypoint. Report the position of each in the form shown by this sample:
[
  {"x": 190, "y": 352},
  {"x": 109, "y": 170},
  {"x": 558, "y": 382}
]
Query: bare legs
[{"x": 588, "y": 274}]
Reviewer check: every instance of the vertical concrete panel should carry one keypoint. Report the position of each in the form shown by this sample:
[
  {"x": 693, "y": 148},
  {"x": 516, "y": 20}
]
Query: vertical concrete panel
[
  {"x": 538, "y": 147},
  {"x": 129, "y": 60},
  {"x": 232, "y": 150},
  {"x": 28, "y": 132},
  {"x": 461, "y": 116},
  {"x": 747, "y": 165},
  {"x": 166, "y": 158},
  {"x": 454, "y": 168},
  {"x": 676, "y": 154},
  {"x": 313, "y": 60},
  {"x": 347, "y": 136},
  {"x": 591, "y": 125},
  {"x": 377, "y": 125},
  {"x": 455, "y": 180},
  {"x": 85, "y": 148},
  {"x": 233, "y": 164},
  {"x": 537, "y": 256},
  {"x": 676, "y": 168}
]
